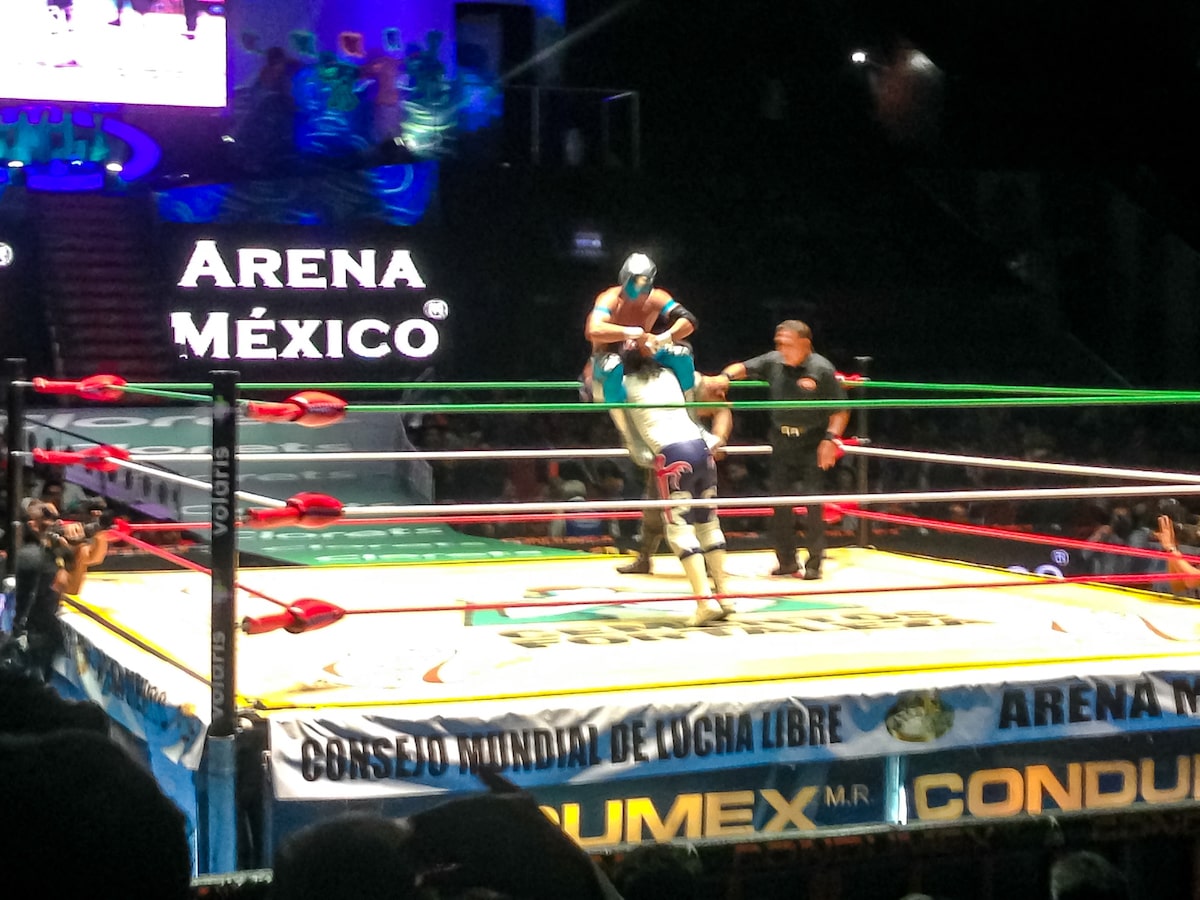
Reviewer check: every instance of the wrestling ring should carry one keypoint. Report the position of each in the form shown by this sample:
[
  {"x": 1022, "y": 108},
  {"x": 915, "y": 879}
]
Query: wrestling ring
[{"x": 377, "y": 654}]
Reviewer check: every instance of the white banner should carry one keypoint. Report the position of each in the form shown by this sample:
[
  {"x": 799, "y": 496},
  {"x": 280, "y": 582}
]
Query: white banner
[{"x": 389, "y": 752}]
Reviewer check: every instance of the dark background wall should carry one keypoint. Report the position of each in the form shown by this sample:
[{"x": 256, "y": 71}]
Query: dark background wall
[{"x": 1001, "y": 191}]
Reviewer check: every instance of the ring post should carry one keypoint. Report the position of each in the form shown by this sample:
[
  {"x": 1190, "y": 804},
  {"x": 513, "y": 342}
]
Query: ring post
[
  {"x": 221, "y": 781},
  {"x": 14, "y": 438},
  {"x": 864, "y": 480}
]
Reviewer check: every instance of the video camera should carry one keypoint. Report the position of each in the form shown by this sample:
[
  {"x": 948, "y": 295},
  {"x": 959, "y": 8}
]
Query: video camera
[
  {"x": 93, "y": 514},
  {"x": 90, "y": 530},
  {"x": 1187, "y": 533}
]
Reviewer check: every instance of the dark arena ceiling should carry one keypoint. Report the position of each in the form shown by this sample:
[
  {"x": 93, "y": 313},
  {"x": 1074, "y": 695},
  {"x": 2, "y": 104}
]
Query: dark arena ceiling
[
  {"x": 1018, "y": 80},
  {"x": 1047, "y": 80}
]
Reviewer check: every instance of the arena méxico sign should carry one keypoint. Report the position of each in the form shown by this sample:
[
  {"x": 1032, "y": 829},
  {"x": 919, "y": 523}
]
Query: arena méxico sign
[{"x": 297, "y": 274}]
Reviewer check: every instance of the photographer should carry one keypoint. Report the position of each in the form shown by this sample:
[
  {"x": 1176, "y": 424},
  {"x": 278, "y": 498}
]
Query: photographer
[
  {"x": 1186, "y": 580},
  {"x": 53, "y": 559},
  {"x": 93, "y": 515}
]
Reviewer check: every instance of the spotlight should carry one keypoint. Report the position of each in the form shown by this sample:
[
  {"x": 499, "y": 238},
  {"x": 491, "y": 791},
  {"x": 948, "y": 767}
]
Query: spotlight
[
  {"x": 115, "y": 167},
  {"x": 16, "y": 164},
  {"x": 859, "y": 57},
  {"x": 920, "y": 62}
]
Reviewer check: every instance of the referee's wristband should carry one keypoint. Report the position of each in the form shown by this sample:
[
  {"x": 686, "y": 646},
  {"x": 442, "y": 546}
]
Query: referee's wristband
[{"x": 830, "y": 436}]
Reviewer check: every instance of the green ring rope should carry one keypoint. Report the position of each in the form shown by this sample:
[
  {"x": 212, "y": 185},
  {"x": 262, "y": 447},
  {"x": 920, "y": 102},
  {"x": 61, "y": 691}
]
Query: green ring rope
[
  {"x": 149, "y": 388},
  {"x": 920, "y": 403},
  {"x": 1022, "y": 389},
  {"x": 1045, "y": 396},
  {"x": 383, "y": 385},
  {"x": 168, "y": 394},
  {"x": 393, "y": 385}
]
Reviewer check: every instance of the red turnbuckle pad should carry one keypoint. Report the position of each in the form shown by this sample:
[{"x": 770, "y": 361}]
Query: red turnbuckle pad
[
  {"x": 307, "y": 510},
  {"x": 832, "y": 513},
  {"x": 312, "y": 409},
  {"x": 303, "y": 615},
  {"x": 98, "y": 459},
  {"x": 312, "y": 614},
  {"x": 848, "y": 441},
  {"x": 94, "y": 387},
  {"x": 318, "y": 409},
  {"x": 270, "y": 411},
  {"x": 852, "y": 380}
]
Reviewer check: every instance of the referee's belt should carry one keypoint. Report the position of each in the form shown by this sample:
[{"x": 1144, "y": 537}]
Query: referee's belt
[{"x": 797, "y": 430}]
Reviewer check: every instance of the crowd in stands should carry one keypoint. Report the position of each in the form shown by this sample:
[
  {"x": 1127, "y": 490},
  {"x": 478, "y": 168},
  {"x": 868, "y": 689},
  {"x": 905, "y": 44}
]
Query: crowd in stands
[
  {"x": 82, "y": 816},
  {"x": 1104, "y": 437}
]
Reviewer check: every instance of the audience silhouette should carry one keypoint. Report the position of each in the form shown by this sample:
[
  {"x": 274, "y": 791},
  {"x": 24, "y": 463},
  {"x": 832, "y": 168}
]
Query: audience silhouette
[
  {"x": 353, "y": 855},
  {"x": 657, "y": 872},
  {"x": 1086, "y": 875},
  {"x": 82, "y": 818}
]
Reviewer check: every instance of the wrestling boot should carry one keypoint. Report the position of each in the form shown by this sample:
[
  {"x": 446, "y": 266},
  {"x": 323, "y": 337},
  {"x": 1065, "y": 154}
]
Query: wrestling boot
[
  {"x": 812, "y": 570},
  {"x": 785, "y": 569},
  {"x": 642, "y": 565},
  {"x": 714, "y": 562},
  {"x": 707, "y": 609}
]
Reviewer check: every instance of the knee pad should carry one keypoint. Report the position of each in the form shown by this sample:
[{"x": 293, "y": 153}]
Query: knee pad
[
  {"x": 710, "y": 535},
  {"x": 681, "y": 536},
  {"x": 679, "y": 360}
]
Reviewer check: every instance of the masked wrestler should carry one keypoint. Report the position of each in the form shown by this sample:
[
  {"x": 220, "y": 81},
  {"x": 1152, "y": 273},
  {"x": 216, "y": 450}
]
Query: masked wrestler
[{"x": 625, "y": 315}]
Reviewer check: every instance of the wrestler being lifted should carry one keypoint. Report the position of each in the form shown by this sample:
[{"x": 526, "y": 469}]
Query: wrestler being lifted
[{"x": 662, "y": 379}]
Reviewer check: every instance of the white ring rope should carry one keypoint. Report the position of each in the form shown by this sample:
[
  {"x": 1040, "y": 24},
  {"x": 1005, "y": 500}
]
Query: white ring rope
[
  {"x": 192, "y": 482},
  {"x": 601, "y": 506},
  {"x": 738, "y": 450},
  {"x": 430, "y": 455},
  {"x": 1022, "y": 464},
  {"x": 1184, "y": 483}
]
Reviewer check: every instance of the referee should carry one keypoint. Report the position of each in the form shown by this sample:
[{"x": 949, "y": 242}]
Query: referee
[{"x": 802, "y": 440}]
